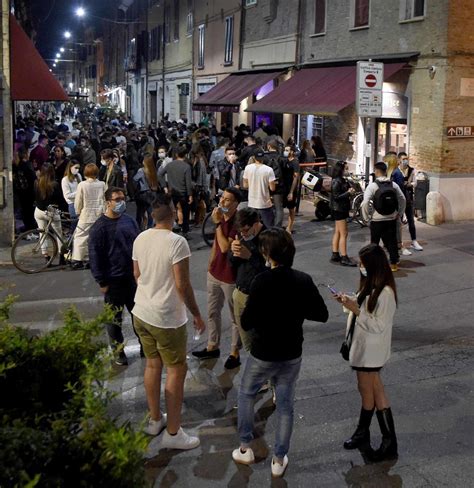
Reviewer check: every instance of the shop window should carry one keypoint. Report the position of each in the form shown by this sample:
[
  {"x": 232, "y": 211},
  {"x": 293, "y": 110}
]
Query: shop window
[
  {"x": 360, "y": 13},
  {"x": 320, "y": 16},
  {"x": 201, "y": 34},
  {"x": 229, "y": 40},
  {"x": 249, "y": 3},
  {"x": 318, "y": 126},
  {"x": 412, "y": 9}
]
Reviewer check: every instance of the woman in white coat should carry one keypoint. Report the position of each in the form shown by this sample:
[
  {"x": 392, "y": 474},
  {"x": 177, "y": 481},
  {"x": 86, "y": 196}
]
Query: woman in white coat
[
  {"x": 373, "y": 313},
  {"x": 89, "y": 204}
]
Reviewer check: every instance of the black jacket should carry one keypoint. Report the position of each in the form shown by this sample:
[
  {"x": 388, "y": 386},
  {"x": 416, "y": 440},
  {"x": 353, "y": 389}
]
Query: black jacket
[
  {"x": 280, "y": 300},
  {"x": 115, "y": 178},
  {"x": 248, "y": 269},
  {"x": 340, "y": 196}
]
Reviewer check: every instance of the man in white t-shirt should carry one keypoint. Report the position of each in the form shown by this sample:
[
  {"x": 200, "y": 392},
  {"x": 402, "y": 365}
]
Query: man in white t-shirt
[
  {"x": 260, "y": 180},
  {"x": 161, "y": 268}
]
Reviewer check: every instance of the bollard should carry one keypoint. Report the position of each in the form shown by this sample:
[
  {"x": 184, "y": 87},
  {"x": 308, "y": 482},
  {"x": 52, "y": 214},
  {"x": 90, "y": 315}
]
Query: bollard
[{"x": 434, "y": 208}]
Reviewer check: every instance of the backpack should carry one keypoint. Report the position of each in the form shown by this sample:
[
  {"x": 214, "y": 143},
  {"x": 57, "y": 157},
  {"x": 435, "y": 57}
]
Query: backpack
[{"x": 385, "y": 198}]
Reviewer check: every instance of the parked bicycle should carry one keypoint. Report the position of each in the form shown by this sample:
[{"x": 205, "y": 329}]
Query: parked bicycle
[{"x": 35, "y": 250}]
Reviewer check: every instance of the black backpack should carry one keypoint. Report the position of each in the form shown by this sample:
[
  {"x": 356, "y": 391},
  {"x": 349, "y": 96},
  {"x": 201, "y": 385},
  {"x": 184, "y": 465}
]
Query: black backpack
[{"x": 385, "y": 199}]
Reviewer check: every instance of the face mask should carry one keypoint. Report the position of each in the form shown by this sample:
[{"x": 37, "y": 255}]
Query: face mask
[
  {"x": 162, "y": 155},
  {"x": 74, "y": 171},
  {"x": 103, "y": 162},
  {"x": 248, "y": 237},
  {"x": 286, "y": 153},
  {"x": 268, "y": 264},
  {"x": 404, "y": 163},
  {"x": 223, "y": 209},
  {"x": 120, "y": 207},
  {"x": 363, "y": 271}
]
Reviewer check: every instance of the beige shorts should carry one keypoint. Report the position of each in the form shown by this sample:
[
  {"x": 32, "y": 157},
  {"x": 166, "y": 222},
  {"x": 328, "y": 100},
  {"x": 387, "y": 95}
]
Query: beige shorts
[{"x": 167, "y": 344}]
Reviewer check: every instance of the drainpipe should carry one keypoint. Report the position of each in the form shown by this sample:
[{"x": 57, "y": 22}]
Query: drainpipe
[{"x": 163, "y": 70}]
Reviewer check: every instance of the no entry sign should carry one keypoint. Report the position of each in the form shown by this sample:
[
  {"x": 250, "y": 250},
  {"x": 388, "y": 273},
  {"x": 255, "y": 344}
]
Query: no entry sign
[
  {"x": 370, "y": 81},
  {"x": 369, "y": 89}
]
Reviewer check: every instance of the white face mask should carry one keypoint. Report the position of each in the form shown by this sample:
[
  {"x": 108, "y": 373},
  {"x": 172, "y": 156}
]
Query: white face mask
[
  {"x": 103, "y": 162},
  {"x": 162, "y": 155},
  {"x": 363, "y": 271},
  {"x": 404, "y": 163},
  {"x": 286, "y": 153},
  {"x": 74, "y": 171}
]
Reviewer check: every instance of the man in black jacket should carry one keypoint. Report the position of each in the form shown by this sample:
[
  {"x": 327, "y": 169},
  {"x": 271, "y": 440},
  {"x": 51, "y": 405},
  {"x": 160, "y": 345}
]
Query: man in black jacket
[
  {"x": 275, "y": 161},
  {"x": 248, "y": 261},
  {"x": 276, "y": 342}
]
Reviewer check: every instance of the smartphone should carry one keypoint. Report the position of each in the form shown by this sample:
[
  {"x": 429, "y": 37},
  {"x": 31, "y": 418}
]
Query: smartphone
[{"x": 333, "y": 290}]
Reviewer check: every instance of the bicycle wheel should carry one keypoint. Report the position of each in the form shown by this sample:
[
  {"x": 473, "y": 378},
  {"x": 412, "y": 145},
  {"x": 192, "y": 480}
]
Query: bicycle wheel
[
  {"x": 31, "y": 250},
  {"x": 208, "y": 230},
  {"x": 357, "y": 211}
]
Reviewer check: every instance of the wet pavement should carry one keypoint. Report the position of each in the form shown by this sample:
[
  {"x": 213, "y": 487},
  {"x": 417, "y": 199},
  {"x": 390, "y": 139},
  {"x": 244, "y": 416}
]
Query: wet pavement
[{"x": 429, "y": 378}]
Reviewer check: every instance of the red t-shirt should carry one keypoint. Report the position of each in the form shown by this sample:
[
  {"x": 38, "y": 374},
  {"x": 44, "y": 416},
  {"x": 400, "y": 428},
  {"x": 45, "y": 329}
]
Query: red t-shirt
[{"x": 220, "y": 267}]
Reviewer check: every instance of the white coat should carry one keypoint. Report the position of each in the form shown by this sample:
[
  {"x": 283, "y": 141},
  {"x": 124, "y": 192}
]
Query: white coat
[{"x": 372, "y": 339}]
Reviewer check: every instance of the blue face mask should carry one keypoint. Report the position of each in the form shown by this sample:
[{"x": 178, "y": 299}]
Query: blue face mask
[
  {"x": 223, "y": 209},
  {"x": 120, "y": 207}
]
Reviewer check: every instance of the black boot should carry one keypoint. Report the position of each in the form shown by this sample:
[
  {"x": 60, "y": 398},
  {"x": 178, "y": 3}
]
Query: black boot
[
  {"x": 347, "y": 261},
  {"x": 361, "y": 437},
  {"x": 388, "y": 448},
  {"x": 335, "y": 258}
]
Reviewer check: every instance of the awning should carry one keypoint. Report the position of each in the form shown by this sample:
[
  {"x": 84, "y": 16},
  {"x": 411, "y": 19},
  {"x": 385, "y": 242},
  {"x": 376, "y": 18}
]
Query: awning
[
  {"x": 316, "y": 91},
  {"x": 30, "y": 78},
  {"x": 227, "y": 95}
]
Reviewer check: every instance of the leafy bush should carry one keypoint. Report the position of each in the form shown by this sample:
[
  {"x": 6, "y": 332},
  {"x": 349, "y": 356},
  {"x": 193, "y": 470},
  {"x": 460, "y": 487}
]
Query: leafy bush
[{"x": 55, "y": 430}]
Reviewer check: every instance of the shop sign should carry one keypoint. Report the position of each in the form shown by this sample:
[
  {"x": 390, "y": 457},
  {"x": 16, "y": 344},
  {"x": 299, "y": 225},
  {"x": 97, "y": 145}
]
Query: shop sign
[
  {"x": 369, "y": 89},
  {"x": 460, "y": 131},
  {"x": 394, "y": 106}
]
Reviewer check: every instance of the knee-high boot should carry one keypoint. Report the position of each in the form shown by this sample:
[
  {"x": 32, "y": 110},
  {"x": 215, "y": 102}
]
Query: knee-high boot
[
  {"x": 388, "y": 448},
  {"x": 361, "y": 437}
]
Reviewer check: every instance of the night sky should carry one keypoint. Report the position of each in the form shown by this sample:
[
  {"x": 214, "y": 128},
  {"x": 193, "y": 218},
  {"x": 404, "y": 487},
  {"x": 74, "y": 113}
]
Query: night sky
[{"x": 53, "y": 17}]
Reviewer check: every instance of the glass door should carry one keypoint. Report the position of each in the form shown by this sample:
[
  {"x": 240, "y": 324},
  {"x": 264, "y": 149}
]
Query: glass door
[{"x": 392, "y": 135}]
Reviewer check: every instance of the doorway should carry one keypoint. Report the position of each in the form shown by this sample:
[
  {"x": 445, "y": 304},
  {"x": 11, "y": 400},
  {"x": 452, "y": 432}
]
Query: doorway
[{"x": 391, "y": 135}]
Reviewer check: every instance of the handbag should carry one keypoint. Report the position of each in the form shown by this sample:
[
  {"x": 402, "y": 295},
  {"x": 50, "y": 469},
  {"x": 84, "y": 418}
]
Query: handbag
[{"x": 346, "y": 345}]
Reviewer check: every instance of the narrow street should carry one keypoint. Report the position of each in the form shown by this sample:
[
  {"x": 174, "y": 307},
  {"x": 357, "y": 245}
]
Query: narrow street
[{"x": 428, "y": 379}]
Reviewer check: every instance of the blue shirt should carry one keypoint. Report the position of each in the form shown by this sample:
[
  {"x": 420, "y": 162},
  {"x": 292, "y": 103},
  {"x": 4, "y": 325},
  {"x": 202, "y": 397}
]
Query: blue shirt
[{"x": 110, "y": 248}]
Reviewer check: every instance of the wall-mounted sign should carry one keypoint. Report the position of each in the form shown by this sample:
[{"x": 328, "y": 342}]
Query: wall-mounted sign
[
  {"x": 460, "y": 131},
  {"x": 369, "y": 89},
  {"x": 152, "y": 86},
  {"x": 394, "y": 106}
]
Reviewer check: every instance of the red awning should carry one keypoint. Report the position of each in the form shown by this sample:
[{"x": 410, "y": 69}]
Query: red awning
[
  {"x": 316, "y": 91},
  {"x": 227, "y": 95},
  {"x": 30, "y": 75}
]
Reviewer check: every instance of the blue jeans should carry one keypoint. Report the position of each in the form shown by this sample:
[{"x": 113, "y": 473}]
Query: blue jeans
[
  {"x": 73, "y": 215},
  {"x": 267, "y": 215},
  {"x": 283, "y": 375}
]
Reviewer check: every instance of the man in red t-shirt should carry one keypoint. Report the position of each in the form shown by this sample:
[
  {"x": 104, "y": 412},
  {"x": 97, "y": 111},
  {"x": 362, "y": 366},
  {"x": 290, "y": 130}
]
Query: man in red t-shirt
[
  {"x": 39, "y": 155},
  {"x": 221, "y": 280}
]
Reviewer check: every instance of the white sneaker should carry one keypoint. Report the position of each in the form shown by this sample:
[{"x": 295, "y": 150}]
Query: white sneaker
[
  {"x": 154, "y": 427},
  {"x": 416, "y": 246},
  {"x": 278, "y": 470},
  {"x": 246, "y": 457},
  {"x": 179, "y": 441},
  {"x": 406, "y": 252}
]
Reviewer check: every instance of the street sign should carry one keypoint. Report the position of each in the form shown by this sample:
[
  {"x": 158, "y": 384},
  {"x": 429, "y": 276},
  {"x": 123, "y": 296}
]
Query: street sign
[
  {"x": 369, "y": 89},
  {"x": 460, "y": 131}
]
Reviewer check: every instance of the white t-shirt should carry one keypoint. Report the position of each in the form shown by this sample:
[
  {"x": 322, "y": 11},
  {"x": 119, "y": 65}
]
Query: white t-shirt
[
  {"x": 259, "y": 176},
  {"x": 157, "y": 301}
]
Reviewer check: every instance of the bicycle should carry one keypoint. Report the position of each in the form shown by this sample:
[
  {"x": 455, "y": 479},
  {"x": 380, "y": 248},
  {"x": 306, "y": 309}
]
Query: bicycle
[
  {"x": 355, "y": 212},
  {"x": 35, "y": 250}
]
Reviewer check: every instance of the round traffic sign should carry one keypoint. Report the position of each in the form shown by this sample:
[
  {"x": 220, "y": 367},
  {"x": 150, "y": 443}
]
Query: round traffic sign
[{"x": 370, "y": 81}]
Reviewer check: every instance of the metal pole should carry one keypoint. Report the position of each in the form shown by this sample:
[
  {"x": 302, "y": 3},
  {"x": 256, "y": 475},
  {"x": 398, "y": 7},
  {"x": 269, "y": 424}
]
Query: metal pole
[{"x": 367, "y": 127}]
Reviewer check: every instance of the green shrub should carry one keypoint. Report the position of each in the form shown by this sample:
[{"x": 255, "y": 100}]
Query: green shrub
[{"x": 55, "y": 430}]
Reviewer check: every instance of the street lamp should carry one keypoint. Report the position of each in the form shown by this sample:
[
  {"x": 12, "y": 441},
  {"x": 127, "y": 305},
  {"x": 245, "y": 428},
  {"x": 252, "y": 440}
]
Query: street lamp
[
  {"x": 67, "y": 35},
  {"x": 58, "y": 55},
  {"x": 80, "y": 12},
  {"x": 61, "y": 49}
]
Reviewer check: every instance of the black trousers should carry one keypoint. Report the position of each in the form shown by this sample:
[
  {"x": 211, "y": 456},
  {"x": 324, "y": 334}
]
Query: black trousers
[
  {"x": 185, "y": 207},
  {"x": 121, "y": 294},
  {"x": 410, "y": 215},
  {"x": 387, "y": 231}
]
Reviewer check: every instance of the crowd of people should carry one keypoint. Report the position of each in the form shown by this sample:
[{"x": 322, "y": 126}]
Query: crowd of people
[{"x": 143, "y": 263}]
